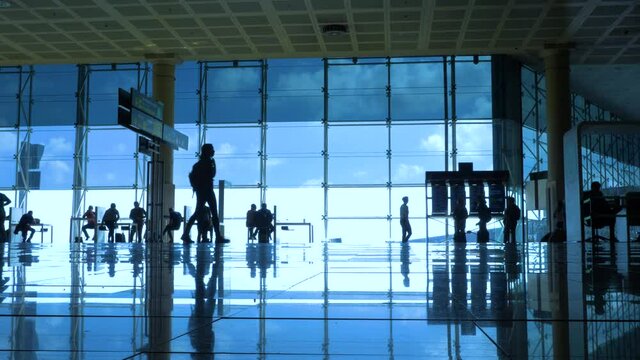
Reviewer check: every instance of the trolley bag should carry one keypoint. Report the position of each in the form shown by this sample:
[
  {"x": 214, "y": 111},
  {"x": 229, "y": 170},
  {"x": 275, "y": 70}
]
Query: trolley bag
[{"x": 120, "y": 237}]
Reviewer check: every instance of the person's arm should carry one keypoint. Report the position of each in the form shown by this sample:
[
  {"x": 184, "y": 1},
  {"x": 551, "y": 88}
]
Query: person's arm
[
  {"x": 213, "y": 171},
  {"x": 5, "y": 201},
  {"x": 117, "y": 215}
]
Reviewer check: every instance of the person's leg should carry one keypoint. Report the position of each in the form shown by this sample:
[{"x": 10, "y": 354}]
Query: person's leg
[
  {"x": 23, "y": 231},
  {"x": 139, "y": 230},
  {"x": 132, "y": 231},
  {"x": 112, "y": 227},
  {"x": 31, "y": 231},
  {"x": 3, "y": 231},
  {"x": 84, "y": 231},
  {"x": 213, "y": 207},
  {"x": 200, "y": 202},
  {"x": 409, "y": 232}
]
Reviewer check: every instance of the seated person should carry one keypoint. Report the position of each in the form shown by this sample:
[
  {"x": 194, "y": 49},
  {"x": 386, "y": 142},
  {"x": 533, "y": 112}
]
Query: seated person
[
  {"x": 175, "y": 219},
  {"x": 251, "y": 222},
  {"x": 110, "y": 219},
  {"x": 602, "y": 214},
  {"x": 92, "y": 221},
  {"x": 24, "y": 226},
  {"x": 264, "y": 217}
]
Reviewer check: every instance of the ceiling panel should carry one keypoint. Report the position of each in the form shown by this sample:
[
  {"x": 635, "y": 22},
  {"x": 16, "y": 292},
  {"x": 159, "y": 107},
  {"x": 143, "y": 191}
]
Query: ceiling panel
[{"x": 125, "y": 30}]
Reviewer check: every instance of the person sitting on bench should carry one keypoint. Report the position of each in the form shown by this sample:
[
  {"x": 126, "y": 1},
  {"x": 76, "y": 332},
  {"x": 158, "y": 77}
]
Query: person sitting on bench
[
  {"x": 175, "y": 219},
  {"x": 92, "y": 221},
  {"x": 110, "y": 219},
  {"x": 24, "y": 226},
  {"x": 264, "y": 217},
  {"x": 602, "y": 214}
]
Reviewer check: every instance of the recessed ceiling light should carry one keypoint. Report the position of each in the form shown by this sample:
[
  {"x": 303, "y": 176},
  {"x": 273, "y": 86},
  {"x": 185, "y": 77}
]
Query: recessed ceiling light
[
  {"x": 5, "y": 4},
  {"x": 335, "y": 29}
]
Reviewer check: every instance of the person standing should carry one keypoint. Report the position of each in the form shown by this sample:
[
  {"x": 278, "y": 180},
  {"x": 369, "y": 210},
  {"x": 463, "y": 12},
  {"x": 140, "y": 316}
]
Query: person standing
[
  {"x": 92, "y": 221},
  {"x": 201, "y": 179},
  {"x": 404, "y": 219},
  {"x": 110, "y": 218},
  {"x": 251, "y": 222},
  {"x": 460, "y": 215},
  {"x": 4, "y": 200},
  {"x": 24, "y": 226},
  {"x": 511, "y": 217},
  {"x": 137, "y": 216},
  {"x": 484, "y": 216}
]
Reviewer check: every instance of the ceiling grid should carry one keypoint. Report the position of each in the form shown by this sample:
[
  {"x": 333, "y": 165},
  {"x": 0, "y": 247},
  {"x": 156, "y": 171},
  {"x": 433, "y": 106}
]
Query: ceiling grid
[{"x": 60, "y": 31}]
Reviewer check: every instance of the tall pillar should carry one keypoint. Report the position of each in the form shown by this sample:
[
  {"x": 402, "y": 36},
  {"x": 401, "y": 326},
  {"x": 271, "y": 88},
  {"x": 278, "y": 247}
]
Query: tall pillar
[
  {"x": 164, "y": 90},
  {"x": 556, "y": 63}
]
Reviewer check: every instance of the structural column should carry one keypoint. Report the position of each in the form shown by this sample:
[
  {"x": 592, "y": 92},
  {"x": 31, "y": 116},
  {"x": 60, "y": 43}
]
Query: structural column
[
  {"x": 556, "y": 63},
  {"x": 164, "y": 90}
]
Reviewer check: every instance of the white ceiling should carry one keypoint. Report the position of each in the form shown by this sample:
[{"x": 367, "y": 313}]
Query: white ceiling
[{"x": 79, "y": 31}]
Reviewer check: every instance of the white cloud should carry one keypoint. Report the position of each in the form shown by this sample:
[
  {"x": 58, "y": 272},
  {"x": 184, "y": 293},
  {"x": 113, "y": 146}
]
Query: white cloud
[
  {"x": 406, "y": 172},
  {"x": 60, "y": 170},
  {"x": 225, "y": 149},
  {"x": 359, "y": 174},
  {"x": 59, "y": 146},
  {"x": 111, "y": 177},
  {"x": 434, "y": 142},
  {"x": 313, "y": 182},
  {"x": 274, "y": 162}
]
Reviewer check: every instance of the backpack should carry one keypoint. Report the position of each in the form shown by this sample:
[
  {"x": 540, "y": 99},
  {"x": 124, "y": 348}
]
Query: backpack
[{"x": 196, "y": 176}]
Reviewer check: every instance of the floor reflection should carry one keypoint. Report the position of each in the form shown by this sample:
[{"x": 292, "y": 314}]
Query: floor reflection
[{"x": 392, "y": 300}]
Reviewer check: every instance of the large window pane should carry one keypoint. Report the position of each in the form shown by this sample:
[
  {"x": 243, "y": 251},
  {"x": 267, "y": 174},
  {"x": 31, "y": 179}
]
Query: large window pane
[
  {"x": 473, "y": 90},
  {"x": 56, "y": 164},
  {"x": 417, "y": 91},
  {"x": 359, "y": 231},
  {"x": 54, "y": 89},
  {"x": 186, "y": 100},
  {"x": 8, "y": 143},
  {"x": 416, "y": 149},
  {"x": 295, "y": 160},
  {"x": 357, "y": 93},
  {"x": 111, "y": 157},
  {"x": 474, "y": 143},
  {"x": 103, "y": 92},
  {"x": 9, "y": 84},
  {"x": 357, "y": 155},
  {"x": 183, "y": 160},
  {"x": 295, "y": 90},
  {"x": 358, "y": 202},
  {"x": 234, "y": 95},
  {"x": 236, "y": 156}
]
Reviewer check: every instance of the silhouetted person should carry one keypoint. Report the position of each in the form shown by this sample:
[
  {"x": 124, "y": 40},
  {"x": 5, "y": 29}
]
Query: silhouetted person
[
  {"x": 251, "y": 223},
  {"x": 404, "y": 219},
  {"x": 602, "y": 214},
  {"x": 484, "y": 216},
  {"x": 204, "y": 225},
  {"x": 110, "y": 219},
  {"x": 405, "y": 252},
  {"x": 201, "y": 179},
  {"x": 24, "y": 226},
  {"x": 92, "y": 222},
  {"x": 175, "y": 219},
  {"x": 511, "y": 217},
  {"x": 251, "y": 257},
  {"x": 137, "y": 216},
  {"x": 4, "y": 200},
  {"x": 460, "y": 215},
  {"x": 264, "y": 217}
]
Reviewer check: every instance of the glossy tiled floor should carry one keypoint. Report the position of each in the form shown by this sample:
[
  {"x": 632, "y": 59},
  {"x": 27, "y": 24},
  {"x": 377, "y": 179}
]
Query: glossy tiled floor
[{"x": 340, "y": 301}]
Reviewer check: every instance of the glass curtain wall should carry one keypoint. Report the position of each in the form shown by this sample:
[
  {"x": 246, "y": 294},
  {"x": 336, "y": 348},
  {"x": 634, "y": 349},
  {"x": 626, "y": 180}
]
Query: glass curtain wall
[
  {"x": 331, "y": 142},
  {"x": 61, "y": 147},
  {"x": 608, "y": 158},
  {"x": 338, "y": 142}
]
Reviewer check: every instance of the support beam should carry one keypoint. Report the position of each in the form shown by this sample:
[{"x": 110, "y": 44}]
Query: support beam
[
  {"x": 164, "y": 90},
  {"x": 558, "y": 122}
]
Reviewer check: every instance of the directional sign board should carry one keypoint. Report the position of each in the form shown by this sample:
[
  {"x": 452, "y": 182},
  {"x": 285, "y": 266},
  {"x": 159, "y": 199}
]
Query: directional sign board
[{"x": 145, "y": 115}]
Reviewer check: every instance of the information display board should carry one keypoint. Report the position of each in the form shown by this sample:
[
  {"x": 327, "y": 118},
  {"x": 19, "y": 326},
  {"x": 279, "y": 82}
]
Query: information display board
[
  {"x": 439, "y": 198},
  {"x": 458, "y": 191},
  {"x": 496, "y": 197}
]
